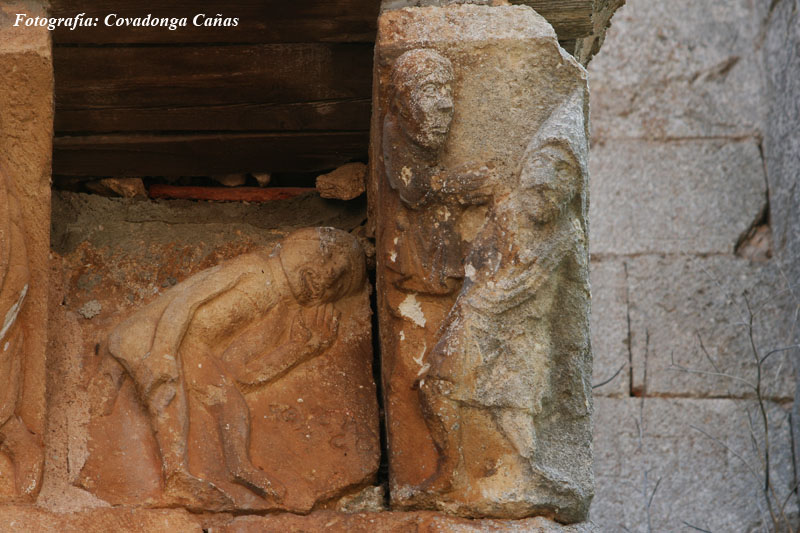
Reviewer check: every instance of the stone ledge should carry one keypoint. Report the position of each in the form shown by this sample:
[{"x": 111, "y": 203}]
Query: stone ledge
[
  {"x": 395, "y": 522},
  {"x": 24, "y": 519}
]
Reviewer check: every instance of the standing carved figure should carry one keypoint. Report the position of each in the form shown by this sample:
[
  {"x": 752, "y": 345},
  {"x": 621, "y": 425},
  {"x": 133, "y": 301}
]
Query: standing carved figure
[
  {"x": 421, "y": 266},
  {"x": 427, "y": 257},
  {"x": 215, "y": 337},
  {"x": 516, "y": 343},
  {"x": 22, "y": 447}
]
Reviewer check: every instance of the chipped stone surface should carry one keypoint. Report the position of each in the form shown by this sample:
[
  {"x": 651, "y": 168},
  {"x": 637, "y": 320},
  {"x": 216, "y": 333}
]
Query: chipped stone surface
[
  {"x": 480, "y": 211},
  {"x": 90, "y": 309},
  {"x": 679, "y": 197},
  {"x": 680, "y": 301},
  {"x": 395, "y": 522},
  {"x": 610, "y": 327},
  {"x": 26, "y": 130},
  {"x": 603, "y": 12},
  {"x": 700, "y": 482},
  {"x": 124, "y": 187},
  {"x": 679, "y": 69},
  {"x": 344, "y": 183}
]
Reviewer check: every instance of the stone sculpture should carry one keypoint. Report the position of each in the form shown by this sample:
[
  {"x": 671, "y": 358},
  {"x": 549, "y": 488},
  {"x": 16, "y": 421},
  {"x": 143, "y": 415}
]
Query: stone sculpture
[
  {"x": 234, "y": 332},
  {"x": 482, "y": 278},
  {"x": 426, "y": 258},
  {"x": 21, "y": 446},
  {"x": 516, "y": 343}
]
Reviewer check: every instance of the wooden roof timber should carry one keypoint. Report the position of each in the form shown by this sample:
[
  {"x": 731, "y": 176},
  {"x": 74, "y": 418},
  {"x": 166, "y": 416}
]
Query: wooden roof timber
[{"x": 273, "y": 21}]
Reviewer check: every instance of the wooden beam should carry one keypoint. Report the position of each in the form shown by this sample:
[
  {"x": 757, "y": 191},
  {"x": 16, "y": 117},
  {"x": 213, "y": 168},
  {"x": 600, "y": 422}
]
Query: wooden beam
[
  {"x": 205, "y": 154},
  {"x": 202, "y": 88},
  {"x": 259, "y": 21},
  {"x": 161, "y": 76},
  {"x": 571, "y": 19},
  {"x": 330, "y": 115}
]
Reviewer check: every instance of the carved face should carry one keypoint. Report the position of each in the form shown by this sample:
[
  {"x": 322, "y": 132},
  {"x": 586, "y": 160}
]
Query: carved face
[
  {"x": 548, "y": 180},
  {"x": 324, "y": 281},
  {"x": 424, "y": 97},
  {"x": 322, "y": 265}
]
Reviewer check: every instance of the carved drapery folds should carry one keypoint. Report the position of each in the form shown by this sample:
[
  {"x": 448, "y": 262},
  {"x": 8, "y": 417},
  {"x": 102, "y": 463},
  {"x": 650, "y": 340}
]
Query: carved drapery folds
[
  {"x": 480, "y": 168},
  {"x": 254, "y": 382},
  {"x": 20, "y": 445}
]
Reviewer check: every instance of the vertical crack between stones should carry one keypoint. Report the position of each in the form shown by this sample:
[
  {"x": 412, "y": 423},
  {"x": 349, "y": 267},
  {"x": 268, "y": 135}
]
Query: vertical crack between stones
[
  {"x": 377, "y": 372},
  {"x": 756, "y": 242},
  {"x": 628, "y": 338}
]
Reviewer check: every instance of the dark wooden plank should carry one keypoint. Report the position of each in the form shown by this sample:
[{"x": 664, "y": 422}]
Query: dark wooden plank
[
  {"x": 227, "y": 194},
  {"x": 204, "y": 155},
  {"x": 168, "y": 76},
  {"x": 260, "y": 21},
  {"x": 571, "y": 19},
  {"x": 305, "y": 116}
]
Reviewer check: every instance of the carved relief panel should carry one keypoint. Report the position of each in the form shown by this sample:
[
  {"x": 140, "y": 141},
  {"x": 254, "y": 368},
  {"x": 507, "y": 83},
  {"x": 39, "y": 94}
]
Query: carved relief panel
[
  {"x": 246, "y": 386},
  {"x": 479, "y": 149}
]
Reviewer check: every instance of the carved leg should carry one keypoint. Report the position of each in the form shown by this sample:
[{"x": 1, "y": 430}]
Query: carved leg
[
  {"x": 170, "y": 414},
  {"x": 25, "y": 450},
  {"x": 233, "y": 419},
  {"x": 104, "y": 386},
  {"x": 442, "y": 417}
]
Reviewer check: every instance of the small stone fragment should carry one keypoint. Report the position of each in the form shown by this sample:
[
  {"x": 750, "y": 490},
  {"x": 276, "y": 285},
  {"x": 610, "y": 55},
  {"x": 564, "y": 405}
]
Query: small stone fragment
[
  {"x": 124, "y": 187},
  {"x": 368, "y": 500},
  {"x": 90, "y": 309},
  {"x": 230, "y": 180},
  {"x": 263, "y": 178},
  {"x": 344, "y": 183}
]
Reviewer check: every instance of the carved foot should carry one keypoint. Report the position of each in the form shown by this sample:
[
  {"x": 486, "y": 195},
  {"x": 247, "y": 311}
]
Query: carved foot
[
  {"x": 194, "y": 491},
  {"x": 437, "y": 484},
  {"x": 26, "y": 452},
  {"x": 440, "y": 482},
  {"x": 257, "y": 481}
]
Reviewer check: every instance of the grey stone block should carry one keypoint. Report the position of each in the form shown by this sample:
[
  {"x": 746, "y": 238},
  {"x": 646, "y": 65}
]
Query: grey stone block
[
  {"x": 677, "y": 197},
  {"x": 681, "y": 68},
  {"x": 782, "y": 138},
  {"x": 678, "y": 302},
  {"x": 610, "y": 327},
  {"x": 700, "y": 481}
]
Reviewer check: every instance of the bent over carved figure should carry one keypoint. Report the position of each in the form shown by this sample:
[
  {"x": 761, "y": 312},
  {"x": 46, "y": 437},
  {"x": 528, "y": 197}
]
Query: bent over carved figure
[
  {"x": 212, "y": 338},
  {"x": 15, "y": 439}
]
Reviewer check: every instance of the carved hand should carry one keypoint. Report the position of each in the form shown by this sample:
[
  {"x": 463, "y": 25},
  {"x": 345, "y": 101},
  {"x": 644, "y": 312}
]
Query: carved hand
[
  {"x": 470, "y": 186},
  {"x": 316, "y": 328}
]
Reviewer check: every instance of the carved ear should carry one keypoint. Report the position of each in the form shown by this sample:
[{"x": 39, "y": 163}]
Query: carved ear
[{"x": 310, "y": 284}]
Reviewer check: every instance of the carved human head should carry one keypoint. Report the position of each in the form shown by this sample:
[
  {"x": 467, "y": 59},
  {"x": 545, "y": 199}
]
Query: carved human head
[
  {"x": 554, "y": 167},
  {"x": 423, "y": 96},
  {"x": 548, "y": 181},
  {"x": 322, "y": 264}
]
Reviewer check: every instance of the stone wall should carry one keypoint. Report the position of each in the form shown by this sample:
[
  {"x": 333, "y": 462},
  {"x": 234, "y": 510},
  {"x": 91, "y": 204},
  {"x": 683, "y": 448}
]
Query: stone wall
[{"x": 694, "y": 231}]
